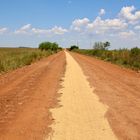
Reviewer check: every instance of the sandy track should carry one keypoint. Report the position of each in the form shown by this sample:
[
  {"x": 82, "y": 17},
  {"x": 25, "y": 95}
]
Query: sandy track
[
  {"x": 119, "y": 89},
  {"x": 26, "y": 95},
  {"x": 81, "y": 115}
]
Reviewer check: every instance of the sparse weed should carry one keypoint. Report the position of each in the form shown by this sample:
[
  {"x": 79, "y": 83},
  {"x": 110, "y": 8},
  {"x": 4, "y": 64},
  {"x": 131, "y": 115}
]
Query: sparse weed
[
  {"x": 12, "y": 58},
  {"x": 126, "y": 57}
]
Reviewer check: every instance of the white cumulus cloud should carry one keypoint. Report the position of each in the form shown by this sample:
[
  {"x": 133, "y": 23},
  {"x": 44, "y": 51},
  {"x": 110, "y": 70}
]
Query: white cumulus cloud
[
  {"x": 102, "y": 12},
  {"x": 127, "y": 34},
  {"x": 3, "y": 30},
  {"x": 100, "y": 26},
  {"x": 129, "y": 13},
  {"x": 39, "y": 31},
  {"x": 58, "y": 30},
  {"x": 78, "y": 24},
  {"x": 28, "y": 29},
  {"x": 107, "y": 24},
  {"x": 55, "y": 30},
  {"x": 24, "y": 29}
]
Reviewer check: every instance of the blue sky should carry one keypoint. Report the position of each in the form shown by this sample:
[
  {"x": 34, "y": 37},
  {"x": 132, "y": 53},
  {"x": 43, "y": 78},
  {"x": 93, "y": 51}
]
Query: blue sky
[{"x": 29, "y": 22}]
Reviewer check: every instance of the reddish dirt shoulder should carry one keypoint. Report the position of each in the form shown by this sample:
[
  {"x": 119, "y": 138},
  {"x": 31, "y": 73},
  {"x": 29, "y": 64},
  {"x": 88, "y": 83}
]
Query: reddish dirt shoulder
[
  {"x": 26, "y": 95},
  {"x": 119, "y": 88}
]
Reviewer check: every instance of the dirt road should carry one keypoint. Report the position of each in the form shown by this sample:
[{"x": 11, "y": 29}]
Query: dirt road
[
  {"x": 26, "y": 95},
  {"x": 32, "y": 108},
  {"x": 81, "y": 115}
]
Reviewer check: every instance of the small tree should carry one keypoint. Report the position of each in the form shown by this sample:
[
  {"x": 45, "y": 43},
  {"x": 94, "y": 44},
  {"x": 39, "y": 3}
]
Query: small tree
[
  {"x": 73, "y": 47},
  {"x": 45, "y": 46},
  {"x": 49, "y": 46},
  {"x": 98, "y": 46},
  {"x": 106, "y": 45},
  {"x": 54, "y": 47},
  {"x": 101, "y": 45}
]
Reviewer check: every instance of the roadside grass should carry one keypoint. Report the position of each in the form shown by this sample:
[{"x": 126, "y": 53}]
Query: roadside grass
[
  {"x": 129, "y": 58},
  {"x": 12, "y": 58}
]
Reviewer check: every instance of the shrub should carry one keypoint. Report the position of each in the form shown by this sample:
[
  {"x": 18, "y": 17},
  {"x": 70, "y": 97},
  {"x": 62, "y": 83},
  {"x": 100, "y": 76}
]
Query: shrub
[
  {"x": 49, "y": 46},
  {"x": 73, "y": 47}
]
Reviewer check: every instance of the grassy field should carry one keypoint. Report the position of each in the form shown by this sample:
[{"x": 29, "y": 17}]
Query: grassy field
[
  {"x": 129, "y": 58},
  {"x": 12, "y": 58}
]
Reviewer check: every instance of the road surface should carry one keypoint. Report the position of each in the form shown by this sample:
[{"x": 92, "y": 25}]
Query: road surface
[
  {"x": 81, "y": 115},
  {"x": 69, "y": 96}
]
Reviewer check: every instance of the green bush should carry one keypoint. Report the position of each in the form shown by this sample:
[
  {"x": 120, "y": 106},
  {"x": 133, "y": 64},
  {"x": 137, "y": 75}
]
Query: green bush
[
  {"x": 73, "y": 47},
  {"x": 49, "y": 46}
]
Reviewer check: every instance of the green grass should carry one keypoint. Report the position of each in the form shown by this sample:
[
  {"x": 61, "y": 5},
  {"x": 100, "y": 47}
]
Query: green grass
[
  {"x": 12, "y": 58},
  {"x": 129, "y": 58}
]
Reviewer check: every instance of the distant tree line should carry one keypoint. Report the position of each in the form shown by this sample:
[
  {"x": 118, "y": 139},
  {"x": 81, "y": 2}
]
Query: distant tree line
[
  {"x": 126, "y": 57},
  {"x": 97, "y": 46}
]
